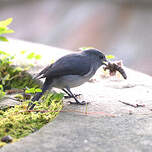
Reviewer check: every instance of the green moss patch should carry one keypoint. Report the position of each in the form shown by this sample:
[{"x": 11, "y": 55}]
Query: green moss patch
[
  {"x": 15, "y": 77},
  {"x": 17, "y": 122}
]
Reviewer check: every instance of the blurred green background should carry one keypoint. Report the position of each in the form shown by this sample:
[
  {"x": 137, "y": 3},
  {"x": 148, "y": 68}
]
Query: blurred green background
[{"x": 119, "y": 27}]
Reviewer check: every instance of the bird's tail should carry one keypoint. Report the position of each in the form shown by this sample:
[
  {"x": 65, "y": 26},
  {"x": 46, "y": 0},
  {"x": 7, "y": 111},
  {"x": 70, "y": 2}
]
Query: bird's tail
[{"x": 38, "y": 95}]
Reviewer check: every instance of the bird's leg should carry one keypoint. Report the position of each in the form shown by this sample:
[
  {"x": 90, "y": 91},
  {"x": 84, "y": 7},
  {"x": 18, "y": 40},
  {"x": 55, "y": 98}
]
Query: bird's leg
[
  {"x": 69, "y": 95},
  {"x": 38, "y": 95},
  {"x": 35, "y": 98},
  {"x": 68, "y": 91}
]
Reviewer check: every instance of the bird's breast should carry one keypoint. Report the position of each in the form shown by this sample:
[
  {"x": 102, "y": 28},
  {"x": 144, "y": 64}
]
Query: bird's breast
[{"x": 70, "y": 81}]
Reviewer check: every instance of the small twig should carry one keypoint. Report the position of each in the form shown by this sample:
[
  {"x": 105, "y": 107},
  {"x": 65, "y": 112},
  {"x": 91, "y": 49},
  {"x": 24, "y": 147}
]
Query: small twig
[
  {"x": 140, "y": 105},
  {"x": 13, "y": 91},
  {"x": 129, "y": 104}
]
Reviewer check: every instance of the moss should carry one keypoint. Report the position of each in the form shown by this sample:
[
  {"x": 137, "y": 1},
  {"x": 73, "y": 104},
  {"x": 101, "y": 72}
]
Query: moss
[
  {"x": 18, "y": 122},
  {"x": 12, "y": 76},
  {"x": 20, "y": 80},
  {"x": 25, "y": 80}
]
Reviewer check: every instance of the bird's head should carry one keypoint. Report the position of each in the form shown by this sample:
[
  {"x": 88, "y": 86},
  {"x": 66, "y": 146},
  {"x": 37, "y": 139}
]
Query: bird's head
[{"x": 97, "y": 55}]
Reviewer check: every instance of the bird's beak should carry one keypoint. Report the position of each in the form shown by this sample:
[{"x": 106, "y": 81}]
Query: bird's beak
[{"x": 105, "y": 62}]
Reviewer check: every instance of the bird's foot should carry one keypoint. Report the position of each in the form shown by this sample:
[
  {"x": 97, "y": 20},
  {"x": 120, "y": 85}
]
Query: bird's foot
[
  {"x": 76, "y": 95},
  {"x": 80, "y": 103}
]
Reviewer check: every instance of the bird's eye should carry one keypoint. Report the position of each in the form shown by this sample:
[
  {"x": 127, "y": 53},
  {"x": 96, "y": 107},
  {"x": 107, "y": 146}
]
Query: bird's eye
[{"x": 101, "y": 57}]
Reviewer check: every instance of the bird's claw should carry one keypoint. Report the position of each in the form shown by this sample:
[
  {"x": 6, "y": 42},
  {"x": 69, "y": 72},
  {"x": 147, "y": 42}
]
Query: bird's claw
[
  {"x": 75, "y": 95},
  {"x": 79, "y": 103}
]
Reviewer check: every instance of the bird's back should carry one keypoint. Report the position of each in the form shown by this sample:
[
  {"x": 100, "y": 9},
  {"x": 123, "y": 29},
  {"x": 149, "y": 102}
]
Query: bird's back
[{"x": 72, "y": 64}]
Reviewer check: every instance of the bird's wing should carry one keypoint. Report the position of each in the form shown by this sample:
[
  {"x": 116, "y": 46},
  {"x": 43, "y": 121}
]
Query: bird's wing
[
  {"x": 40, "y": 75},
  {"x": 73, "y": 64}
]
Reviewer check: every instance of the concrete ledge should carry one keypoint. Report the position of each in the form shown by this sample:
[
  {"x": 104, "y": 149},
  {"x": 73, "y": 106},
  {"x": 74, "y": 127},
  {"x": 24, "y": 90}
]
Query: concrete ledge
[{"x": 129, "y": 130}]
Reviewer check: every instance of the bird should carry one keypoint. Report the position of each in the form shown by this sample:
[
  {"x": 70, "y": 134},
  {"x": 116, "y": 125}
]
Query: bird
[{"x": 70, "y": 71}]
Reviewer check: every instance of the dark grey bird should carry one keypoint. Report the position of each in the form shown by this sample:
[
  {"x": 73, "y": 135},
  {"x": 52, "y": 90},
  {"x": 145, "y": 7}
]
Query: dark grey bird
[{"x": 70, "y": 71}]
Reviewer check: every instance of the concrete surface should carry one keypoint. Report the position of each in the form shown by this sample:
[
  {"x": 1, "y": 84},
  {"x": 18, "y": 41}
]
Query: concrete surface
[
  {"x": 108, "y": 126},
  {"x": 72, "y": 132}
]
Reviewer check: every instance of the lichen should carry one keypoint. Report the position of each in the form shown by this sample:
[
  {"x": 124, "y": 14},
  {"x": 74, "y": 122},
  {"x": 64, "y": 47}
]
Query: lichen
[{"x": 17, "y": 122}]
